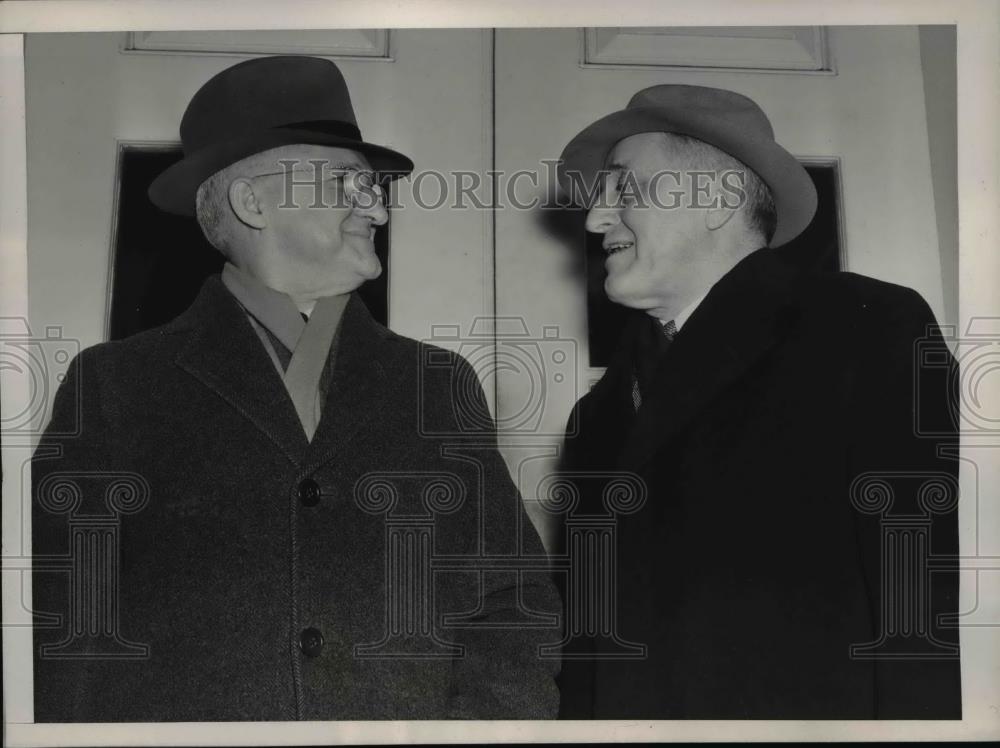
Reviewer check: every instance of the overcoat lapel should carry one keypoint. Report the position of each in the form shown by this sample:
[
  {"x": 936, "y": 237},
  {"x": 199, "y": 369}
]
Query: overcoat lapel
[
  {"x": 606, "y": 412},
  {"x": 225, "y": 354},
  {"x": 741, "y": 318}
]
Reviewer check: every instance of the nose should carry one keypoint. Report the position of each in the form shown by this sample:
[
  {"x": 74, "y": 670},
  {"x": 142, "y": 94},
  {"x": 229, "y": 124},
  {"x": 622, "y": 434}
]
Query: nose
[
  {"x": 368, "y": 201},
  {"x": 373, "y": 209},
  {"x": 601, "y": 219}
]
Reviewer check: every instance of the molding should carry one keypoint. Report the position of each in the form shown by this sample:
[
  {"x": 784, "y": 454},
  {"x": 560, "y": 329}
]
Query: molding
[
  {"x": 838, "y": 179},
  {"x": 344, "y": 44},
  {"x": 489, "y": 242},
  {"x": 801, "y": 50}
]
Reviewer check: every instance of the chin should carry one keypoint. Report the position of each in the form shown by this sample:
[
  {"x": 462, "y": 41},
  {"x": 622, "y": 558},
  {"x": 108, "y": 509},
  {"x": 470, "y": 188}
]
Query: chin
[
  {"x": 622, "y": 296},
  {"x": 372, "y": 270},
  {"x": 365, "y": 261}
]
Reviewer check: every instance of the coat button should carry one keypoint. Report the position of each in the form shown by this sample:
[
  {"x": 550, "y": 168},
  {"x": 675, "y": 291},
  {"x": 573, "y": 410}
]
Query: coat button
[
  {"x": 311, "y": 642},
  {"x": 309, "y": 492}
]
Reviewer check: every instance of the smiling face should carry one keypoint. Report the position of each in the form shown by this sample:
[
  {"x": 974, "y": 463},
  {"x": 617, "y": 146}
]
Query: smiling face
[
  {"x": 312, "y": 212},
  {"x": 657, "y": 241}
]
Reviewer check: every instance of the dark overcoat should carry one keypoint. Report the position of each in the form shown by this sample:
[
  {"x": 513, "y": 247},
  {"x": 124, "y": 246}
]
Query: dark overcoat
[
  {"x": 245, "y": 573},
  {"x": 787, "y": 412}
]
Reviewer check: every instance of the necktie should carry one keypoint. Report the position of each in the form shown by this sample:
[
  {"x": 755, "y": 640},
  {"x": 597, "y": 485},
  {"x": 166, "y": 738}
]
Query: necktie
[{"x": 652, "y": 343}]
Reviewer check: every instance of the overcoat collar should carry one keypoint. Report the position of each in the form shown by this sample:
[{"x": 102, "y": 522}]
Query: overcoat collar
[
  {"x": 744, "y": 315},
  {"x": 225, "y": 354}
]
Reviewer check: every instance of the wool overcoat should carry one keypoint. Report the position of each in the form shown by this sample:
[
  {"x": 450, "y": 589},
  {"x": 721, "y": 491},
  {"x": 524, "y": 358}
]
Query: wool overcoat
[
  {"x": 198, "y": 559},
  {"x": 799, "y": 453}
]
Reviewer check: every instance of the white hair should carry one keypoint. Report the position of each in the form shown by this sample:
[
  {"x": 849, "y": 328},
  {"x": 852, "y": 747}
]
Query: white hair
[
  {"x": 758, "y": 209},
  {"x": 215, "y": 215}
]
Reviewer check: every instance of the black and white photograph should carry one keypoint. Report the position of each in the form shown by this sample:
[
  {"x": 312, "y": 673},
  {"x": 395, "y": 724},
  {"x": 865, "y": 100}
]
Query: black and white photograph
[{"x": 436, "y": 374}]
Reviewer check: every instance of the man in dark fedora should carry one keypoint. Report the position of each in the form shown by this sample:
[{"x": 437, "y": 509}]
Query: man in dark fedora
[
  {"x": 791, "y": 556},
  {"x": 275, "y": 504}
]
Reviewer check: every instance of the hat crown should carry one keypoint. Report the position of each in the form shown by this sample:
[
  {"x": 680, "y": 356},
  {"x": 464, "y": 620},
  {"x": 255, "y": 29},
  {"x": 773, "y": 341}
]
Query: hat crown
[
  {"x": 718, "y": 103},
  {"x": 724, "y": 119},
  {"x": 266, "y": 93}
]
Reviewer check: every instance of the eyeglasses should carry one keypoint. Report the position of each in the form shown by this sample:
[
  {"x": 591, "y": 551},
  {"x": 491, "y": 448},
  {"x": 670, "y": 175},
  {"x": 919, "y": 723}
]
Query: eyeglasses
[{"x": 361, "y": 187}]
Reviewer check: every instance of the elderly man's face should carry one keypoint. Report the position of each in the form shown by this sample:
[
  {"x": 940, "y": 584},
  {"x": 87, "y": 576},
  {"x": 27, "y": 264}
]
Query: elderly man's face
[
  {"x": 321, "y": 218},
  {"x": 655, "y": 249}
]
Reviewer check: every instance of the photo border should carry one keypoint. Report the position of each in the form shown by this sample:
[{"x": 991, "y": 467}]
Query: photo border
[{"x": 979, "y": 217}]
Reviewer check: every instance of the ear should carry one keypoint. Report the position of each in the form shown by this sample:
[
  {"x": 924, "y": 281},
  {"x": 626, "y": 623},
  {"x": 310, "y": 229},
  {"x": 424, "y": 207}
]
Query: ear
[
  {"x": 245, "y": 203},
  {"x": 717, "y": 217},
  {"x": 720, "y": 210},
  {"x": 728, "y": 197}
]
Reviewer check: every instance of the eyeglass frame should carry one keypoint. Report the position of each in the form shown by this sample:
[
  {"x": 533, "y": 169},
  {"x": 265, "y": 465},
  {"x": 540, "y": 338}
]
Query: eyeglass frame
[{"x": 375, "y": 189}]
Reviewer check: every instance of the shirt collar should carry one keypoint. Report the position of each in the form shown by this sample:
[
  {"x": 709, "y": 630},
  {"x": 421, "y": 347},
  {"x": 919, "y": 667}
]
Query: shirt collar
[{"x": 686, "y": 312}]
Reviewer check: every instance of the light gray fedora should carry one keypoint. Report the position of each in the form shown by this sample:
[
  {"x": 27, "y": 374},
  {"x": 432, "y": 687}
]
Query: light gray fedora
[{"x": 727, "y": 120}]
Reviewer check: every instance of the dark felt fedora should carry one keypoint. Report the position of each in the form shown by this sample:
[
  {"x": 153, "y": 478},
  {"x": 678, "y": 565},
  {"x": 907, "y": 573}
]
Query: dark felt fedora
[
  {"x": 262, "y": 104},
  {"x": 727, "y": 120}
]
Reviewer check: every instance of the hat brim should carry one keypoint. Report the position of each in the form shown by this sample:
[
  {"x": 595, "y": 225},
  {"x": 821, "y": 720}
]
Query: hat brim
[
  {"x": 792, "y": 188},
  {"x": 174, "y": 190}
]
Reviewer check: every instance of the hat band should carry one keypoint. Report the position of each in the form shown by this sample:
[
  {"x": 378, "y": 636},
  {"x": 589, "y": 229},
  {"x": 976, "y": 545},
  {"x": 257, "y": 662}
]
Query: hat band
[{"x": 326, "y": 127}]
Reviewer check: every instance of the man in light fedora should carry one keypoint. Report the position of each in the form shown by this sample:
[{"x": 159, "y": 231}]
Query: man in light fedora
[
  {"x": 272, "y": 559},
  {"x": 772, "y": 414}
]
